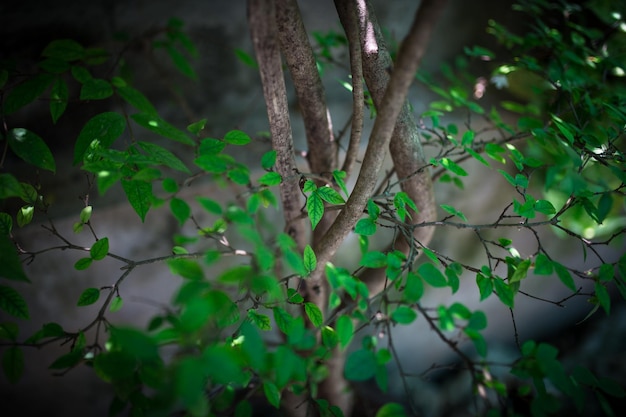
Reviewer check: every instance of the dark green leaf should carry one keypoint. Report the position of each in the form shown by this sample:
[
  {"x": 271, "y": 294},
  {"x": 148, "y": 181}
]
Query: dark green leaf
[
  {"x": 360, "y": 366},
  {"x": 159, "y": 126},
  {"x": 604, "y": 299},
  {"x": 81, "y": 74},
  {"x": 31, "y": 148},
  {"x": 260, "y": 320},
  {"x": 139, "y": 194},
  {"x": 283, "y": 319},
  {"x": 136, "y": 99},
  {"x": 216, "y": 164},
  {"x": 504, "y": 292},
  {"x": 9, "y": 331},
  {"x": 272, "y": 394},
  {"x": 135, "y": 343},
  {"x": 414, "y": 288},
  {"x": 68, "y": 360},
  {"x": 88, "y": 297},
  {"x": 197, "y": 127},
  {"x": 98, "y": 133},
  {"x": 209, "y": 205},
  {"x": 96, "y": 89},
  {"x": 163, "y": 156},
  {"x": 180, "y": 209},
  {"x": 27, "y": 92},
  {"x": 11, "y": 267},
  {"x": 64, "y": 49},
  {"x": 543, "y": 265},
  {"x": 13, "y": 303},
  {"x": 181, "y": 63},
  {"x": 246, "y": 58},
  {"x": 239, "y": 175},
  {"x": 13, "y": 363},
  {"x": 485, "y": 286},
  {"x": 100, "y": 249},
  {"x": 9, "y": 186},
  {"x": 58, "y": 99},
  {"x": 83, "y": 263}
]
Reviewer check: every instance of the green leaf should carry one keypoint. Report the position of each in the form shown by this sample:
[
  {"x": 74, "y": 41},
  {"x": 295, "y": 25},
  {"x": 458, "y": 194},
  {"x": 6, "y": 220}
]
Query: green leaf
[
  {"x": 13, "y": 303},
  {"x": 260, "y": 320},
  {"x": 453, "y": 167},
  {"x": 345, "y": 330},
  {"x": 64, "y": 49},
  {"x": 604, "y": 299},
  {"x": 329, "y": 195},
  {"x": 521, "y": 270},
  {"x": 373, "y": 259},
  {"x": 209, "y": 205},
  {"x": 181, "y": 63},
  {"x": 136, "y": 99},
  {"x": 270, "y": 178},
  {"x": 96, "y": 89},
  {"x": 543, "y": 265},
  {"x": 485, "y": 286},
  {"x": 268, "y": 160},
  {"x": 68, "y": 360},
  {"x": 391, "y": 410},
  {"x": 85, "y": 214},
  {"x": 237, "y": 137},
  {"x": 25, "y": 215},
  {"x": 365, "y": 227},
  {"x": 310, "y": 261},
  {"x": 272, "y": 394},
  {"x": 139, "y": 194},
  {"x": 545, "y": 207},
  {"x": 98, "y": 133},
  {"x": 493, "y": 151},
  {"x": 504, "y": 292},
  {"x": 116, "y": 304},
  {"x": 315, "y": 209},
  {"x": 246, "y": 58},
  {"x": 83, "y": 263},
  {"x": 180, "y": 209},
  {"x": 100, "y": 249},
  {"x": 339, "y": 177},
  {"x": 27, "y": 92},
  {"x": 11, "y": 267},
  {"x": 9, "y": 186},
  {"x": 31, "y": 148},
  {"x": 134, "y": 342},
  {"x": 239, "y": 175},
  {"x": 413, "y": 289},
  {"x": 13, "y": 363},
  {"x": 163, "y": 156},
  {"x": 454, "y": 212},
  {"x": 81, "y": 74},
  {"x": 88, "y": 297},
  {"x": 58, "y": 99},
  {"x": 159, "y": 126},
  {"x": 403, "y": 315},
  {"x": 432, "y": 275},
  {"x": 314, "y": 314},
  {"x": 186, "y": 268},
  {"x": 361, "y": 365}
]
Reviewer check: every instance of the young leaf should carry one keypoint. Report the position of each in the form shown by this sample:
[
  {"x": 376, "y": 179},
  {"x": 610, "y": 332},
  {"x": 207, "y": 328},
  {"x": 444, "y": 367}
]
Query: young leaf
[
  {"x": 329, "y": 195},
  {"x": 315, "y": 209},
  {"x": 116, "y": 304},
  {"x": 100, "y": 249},
  {"x": 31, "y": 148},
  {"x": 88, "y": 297},
  {"x": 310, "y": 261},
  {"x": 13, "y": 303},
  {"x": 454, "y": 212},
  {"x": 314, "y": 314},
  {"x": 196, "y": 127}
]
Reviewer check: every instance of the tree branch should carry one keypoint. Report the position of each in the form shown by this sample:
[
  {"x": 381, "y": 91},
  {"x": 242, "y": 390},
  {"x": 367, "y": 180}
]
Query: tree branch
[{"x": 262, "y": 19}]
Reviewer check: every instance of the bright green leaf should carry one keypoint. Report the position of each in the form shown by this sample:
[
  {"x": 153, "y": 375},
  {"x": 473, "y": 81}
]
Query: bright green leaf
[
  {"x": 345, "y": 330},
  {"x": 432, "y": 275},
  {"x": 403, "y": 315},
  {"x": 180, "y": 209},
  {"x": 314, "y": 314},
  {"x": 270, "y": 178},
  {"x": 315, "y": 209},
  {"x": 365, "y": 227},
  {"x": 237, "y": 137}
]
